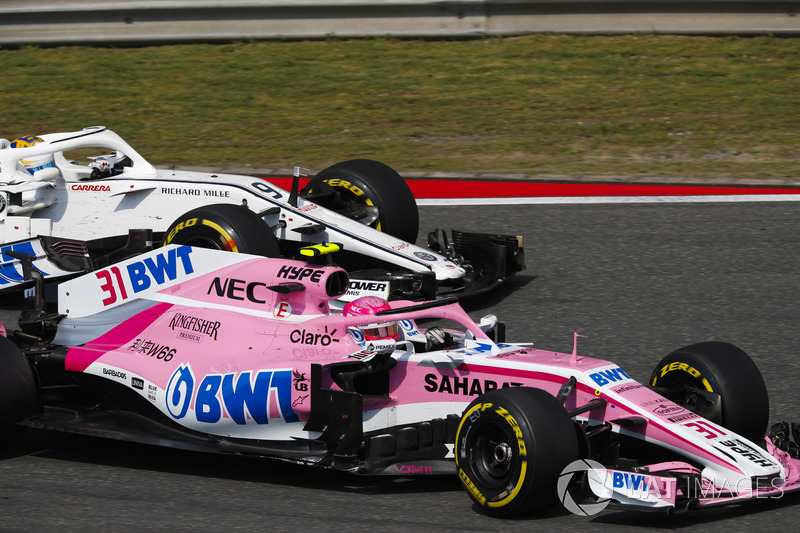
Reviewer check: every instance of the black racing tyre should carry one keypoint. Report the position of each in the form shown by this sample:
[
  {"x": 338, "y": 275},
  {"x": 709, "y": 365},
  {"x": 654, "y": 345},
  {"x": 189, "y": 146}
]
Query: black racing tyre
[
  {"x": 377, "y": 190},
  {"x": 18, "y": 391},
  {"x": 224, "y": 227},
  {"x": 723, "y": 369},
  {"x": 510, "y": 448}
]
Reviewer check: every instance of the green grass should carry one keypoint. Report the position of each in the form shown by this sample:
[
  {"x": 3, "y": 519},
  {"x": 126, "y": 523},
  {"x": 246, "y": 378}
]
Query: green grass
[{"x": 580, "y": 105}]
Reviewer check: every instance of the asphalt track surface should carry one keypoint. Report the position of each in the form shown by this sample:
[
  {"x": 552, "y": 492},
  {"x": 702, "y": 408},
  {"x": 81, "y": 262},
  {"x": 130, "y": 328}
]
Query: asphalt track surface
[{"x": 635, "y": 280}]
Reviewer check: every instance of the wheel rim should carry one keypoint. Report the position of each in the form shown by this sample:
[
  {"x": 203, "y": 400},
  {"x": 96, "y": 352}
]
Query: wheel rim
[
  {"x": 693, "y": 395},
  {"x": 211, "y": 243},
  {"x": 372, "y": 215},
  {"x": 494, "y": 457},
  {"x": 360, "y": 208}
]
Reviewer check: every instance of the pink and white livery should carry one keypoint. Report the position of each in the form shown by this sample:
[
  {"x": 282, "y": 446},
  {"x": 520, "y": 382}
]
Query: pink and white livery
[{"x": 234, "y": 353}]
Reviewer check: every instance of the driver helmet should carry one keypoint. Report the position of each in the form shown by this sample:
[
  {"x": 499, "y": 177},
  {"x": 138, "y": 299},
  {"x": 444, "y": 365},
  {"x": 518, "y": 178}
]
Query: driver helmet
[
  {"x": 37, "y": 162},
  {"x": 369, "y": 305}
]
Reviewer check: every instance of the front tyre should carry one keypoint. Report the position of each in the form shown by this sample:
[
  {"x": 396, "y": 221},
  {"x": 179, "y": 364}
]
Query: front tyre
[
  {"x": 224, "y": 227},
  {"x": 510, "y": 449},
  {"x": 372, "y": 193},
  {"x": 718, "y": 381}
]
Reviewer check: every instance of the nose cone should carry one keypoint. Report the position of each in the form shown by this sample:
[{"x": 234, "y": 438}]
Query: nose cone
[{"x": 447, "y": 270}]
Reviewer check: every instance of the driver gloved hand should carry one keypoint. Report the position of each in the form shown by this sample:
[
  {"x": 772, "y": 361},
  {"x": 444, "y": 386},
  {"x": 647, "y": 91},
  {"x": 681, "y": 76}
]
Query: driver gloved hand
[{"x": 437, "y": 339}]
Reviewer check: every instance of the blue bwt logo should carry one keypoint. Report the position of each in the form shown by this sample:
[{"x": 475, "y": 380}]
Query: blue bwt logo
[
  {"x": 630, "y": 481},
  {"x": 252, "y": 395},
  {"x": 614, "y": 375},
  {"x": 159, "y": 269}
]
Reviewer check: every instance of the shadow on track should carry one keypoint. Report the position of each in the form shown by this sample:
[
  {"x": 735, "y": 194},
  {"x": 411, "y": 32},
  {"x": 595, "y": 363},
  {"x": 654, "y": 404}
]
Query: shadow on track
[
  {"x": 94, "y": 450},
  {"x": 492, "y": 298}
]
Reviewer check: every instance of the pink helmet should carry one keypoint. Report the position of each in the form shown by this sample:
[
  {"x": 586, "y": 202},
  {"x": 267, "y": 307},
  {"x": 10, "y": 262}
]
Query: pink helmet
[{"x": 369, "y": 305}]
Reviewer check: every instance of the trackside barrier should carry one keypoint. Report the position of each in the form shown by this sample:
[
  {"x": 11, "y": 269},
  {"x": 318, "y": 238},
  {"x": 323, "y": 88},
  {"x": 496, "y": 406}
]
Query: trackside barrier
[{"x": 132, "y": 22}]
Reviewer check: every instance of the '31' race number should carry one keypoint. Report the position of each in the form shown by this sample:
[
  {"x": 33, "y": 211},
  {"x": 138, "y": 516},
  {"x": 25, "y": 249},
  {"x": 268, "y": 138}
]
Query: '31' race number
[{"x": 108, "y": 286}]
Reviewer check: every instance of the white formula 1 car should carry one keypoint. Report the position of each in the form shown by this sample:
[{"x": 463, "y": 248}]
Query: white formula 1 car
[{"x": 77, "y": 218}]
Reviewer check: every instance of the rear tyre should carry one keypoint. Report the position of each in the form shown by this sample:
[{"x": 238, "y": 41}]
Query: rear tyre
[
  {"x": 224, "y": 227},
  {"x": 511, "y": 446},
  {"x": 373, "y": 193},
  {"x": 688, "y": 374},
  {"x": 18, "y": 392}
]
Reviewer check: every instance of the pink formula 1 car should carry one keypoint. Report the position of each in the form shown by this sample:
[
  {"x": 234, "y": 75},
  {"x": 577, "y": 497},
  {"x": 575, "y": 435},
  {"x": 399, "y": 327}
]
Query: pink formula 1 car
[{"x": 232, "y": 353}]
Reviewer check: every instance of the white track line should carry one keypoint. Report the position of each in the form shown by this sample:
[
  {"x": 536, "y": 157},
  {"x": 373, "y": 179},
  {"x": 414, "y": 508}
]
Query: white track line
[{"x": 613, "y": 199}]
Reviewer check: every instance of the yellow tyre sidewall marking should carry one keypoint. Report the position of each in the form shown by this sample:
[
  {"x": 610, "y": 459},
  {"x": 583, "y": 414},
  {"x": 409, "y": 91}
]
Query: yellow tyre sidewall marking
[
  {"x": 377, "y": 222},
  {"x": 468, "y": 483},
  {"x": 344, "y": 184},
  {"x": 683, "y": 367},
  {"x": 229, "y": 243},
  {"x": 182, "y": 225},
  {"x": 523, "y": 454}
]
